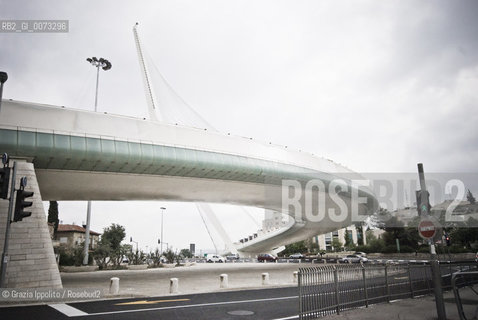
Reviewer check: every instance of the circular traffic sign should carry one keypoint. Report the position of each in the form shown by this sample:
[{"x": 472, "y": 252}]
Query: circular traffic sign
[{"x": 427, "y": 229}]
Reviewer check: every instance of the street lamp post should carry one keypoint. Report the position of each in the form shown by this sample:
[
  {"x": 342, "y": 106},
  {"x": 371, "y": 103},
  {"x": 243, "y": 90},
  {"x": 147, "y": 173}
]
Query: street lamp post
[
  {"x": 3, "y": 79},
  {"x": 162, "y": 214},
  {"x": 105, "y": 65}
]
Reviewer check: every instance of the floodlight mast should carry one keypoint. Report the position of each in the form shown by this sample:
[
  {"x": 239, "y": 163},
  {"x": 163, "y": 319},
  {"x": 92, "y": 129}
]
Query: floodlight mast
[{"x": 105, "y": 65}]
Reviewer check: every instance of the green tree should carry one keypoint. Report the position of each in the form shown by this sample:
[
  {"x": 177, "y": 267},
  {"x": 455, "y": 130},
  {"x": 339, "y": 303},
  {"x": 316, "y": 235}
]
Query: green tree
[
  {"x": 464, "y": 235},
  {"x": 349, "y": 244},
  {"x": 156, "y": 257},
  {"x": 395, "y": 229},
  {"x": 53, "y": 215},
  {"x": 375, "y": 245},
  {"x": 336, "y": 244},
  {"x": 71, "y": 256},
  {"x": 101, "y": 254},
  {"x": 297, "y": 247},
  {"x": 137, "y": 257},
  {"x": 370, "y": 235},
  {"x": 186, "y": 253},
  {"x": 470, "y": 198},
  {"x": 169, "y": 255},
  {"x": 112, "y": 236},
  {"x": 360, "y": 233}
]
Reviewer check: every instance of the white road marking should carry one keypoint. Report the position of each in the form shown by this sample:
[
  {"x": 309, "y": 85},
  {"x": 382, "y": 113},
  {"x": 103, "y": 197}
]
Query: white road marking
[
  {"x": 187, "y": 306},
  {"x": 287, "y": 318},
  {"x": 68, "y": 310}
]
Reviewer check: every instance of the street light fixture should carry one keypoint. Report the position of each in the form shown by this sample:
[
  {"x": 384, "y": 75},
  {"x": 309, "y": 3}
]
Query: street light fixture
[
  {"x": 3, "y": 79},
  {"x": 105, "y": 65},
  {"x": 162, "y": 214}
]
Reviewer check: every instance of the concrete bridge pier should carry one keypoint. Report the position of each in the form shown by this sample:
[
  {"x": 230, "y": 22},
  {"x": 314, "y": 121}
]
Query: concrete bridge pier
[{"x": 32, "y": 262}]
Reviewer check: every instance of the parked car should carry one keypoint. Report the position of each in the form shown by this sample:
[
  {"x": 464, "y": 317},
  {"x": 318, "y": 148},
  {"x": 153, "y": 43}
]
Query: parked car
[
  {"x": 296, "y": 256},
  {"x": 215, "y": 258},
  {"x": 264, "y": 257},
  {"x": 353, "y": 258},
  {"x": 363, "y": 254},
  {"x": 232, "y": 257}
]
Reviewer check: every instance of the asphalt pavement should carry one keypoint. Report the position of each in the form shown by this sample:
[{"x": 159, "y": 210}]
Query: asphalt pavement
[
  {"x": 201, "y": 298},
  {"x": 272, "y": 303}
]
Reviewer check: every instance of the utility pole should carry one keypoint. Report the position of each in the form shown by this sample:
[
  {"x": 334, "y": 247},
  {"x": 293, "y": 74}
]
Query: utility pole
[
  {"x": 423, "y": 204},
  {"x": 162, "y": 213},
  {"x": 3, "y": 79},
  {"x": 5, "y": 257}
]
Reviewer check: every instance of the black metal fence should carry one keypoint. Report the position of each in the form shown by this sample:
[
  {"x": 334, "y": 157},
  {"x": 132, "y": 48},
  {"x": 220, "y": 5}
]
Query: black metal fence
[{"x": 330, "y": 289}]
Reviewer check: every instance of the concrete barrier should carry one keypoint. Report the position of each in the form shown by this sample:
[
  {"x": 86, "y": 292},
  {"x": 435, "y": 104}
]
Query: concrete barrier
[
  {"x": 295, "y": 276},
  {"x": 223, "y": 281},
  {"x": 173, "y": 285},
  {"x": 265, "y": 278},
  {"x": 114, "y": 285}
]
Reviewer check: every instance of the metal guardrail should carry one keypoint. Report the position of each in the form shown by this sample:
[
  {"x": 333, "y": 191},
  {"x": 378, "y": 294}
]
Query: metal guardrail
[
  {"x": 471, "y": 278},
  {"x": 330, "y": 289}
]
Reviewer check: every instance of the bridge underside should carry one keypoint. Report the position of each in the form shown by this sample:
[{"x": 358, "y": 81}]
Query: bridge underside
[{"x": 78, "y": 185}]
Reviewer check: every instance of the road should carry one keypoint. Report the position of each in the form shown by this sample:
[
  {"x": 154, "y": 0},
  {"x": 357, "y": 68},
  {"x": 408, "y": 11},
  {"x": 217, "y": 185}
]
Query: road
[
  {"x": 266, "y": 303},
  {"x": 200, "y": 278},
  {"x": 273, "y": 303}
]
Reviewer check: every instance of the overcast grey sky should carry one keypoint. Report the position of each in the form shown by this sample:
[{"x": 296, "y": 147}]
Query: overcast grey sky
[{"x": 374, "y": 85}]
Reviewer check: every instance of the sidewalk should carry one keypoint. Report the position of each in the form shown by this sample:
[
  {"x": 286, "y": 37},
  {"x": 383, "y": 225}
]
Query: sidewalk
[{"x": 422, "y": 308}]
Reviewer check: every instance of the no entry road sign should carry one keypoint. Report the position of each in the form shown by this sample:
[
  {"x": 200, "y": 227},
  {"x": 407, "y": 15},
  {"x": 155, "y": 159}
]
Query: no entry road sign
[{"x": 427, "y": 229}]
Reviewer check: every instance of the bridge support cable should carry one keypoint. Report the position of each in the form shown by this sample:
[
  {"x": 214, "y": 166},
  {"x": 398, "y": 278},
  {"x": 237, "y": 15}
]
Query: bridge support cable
[
  {"x": 207, "y": 228},
  {"x": 206, "y": 209},
  {"x": 164, "y": 103},
  {"x": 256, "y": 223}
]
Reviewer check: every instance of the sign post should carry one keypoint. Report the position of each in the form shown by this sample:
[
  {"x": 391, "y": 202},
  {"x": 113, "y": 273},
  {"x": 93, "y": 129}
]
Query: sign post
[
  {"x": 5, "y": 258},
  {"x": 427, "y": 230}
]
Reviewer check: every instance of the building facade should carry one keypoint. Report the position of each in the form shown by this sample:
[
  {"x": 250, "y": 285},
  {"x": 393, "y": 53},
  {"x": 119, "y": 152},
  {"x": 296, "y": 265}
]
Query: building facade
[{"x": 71, "y": 236}]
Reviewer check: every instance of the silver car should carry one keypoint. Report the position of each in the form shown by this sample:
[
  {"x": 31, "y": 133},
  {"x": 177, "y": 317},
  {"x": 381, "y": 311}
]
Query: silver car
[{"x": 353, "y": 258}]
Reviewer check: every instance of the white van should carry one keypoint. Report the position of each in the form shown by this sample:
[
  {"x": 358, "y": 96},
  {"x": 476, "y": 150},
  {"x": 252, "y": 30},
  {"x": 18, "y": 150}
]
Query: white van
[{"x": 214, "y": 258}]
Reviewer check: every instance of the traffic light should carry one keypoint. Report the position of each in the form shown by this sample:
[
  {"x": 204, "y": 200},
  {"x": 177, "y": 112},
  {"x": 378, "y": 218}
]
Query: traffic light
[
  {"x": 4, "y": 177},
  {"x": 4, "y": 180},
  {"x": 20, "y": 203},
  {"x": 447, "y": 239},
  {"x": 423, "y": 207}
]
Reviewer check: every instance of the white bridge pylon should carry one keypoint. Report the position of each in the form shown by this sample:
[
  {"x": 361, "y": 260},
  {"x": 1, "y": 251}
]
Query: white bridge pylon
[{"x": 165, "y": 105}]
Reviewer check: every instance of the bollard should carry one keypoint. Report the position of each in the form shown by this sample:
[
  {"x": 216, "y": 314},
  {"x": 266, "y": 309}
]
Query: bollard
[
  {"x": 173, "y": 285},
  {"x": 265, "y": 278},
  {"x": 295, "y": 276},
  {"x": 114, "y": 285},
  {"x": 223, "y": 281}
]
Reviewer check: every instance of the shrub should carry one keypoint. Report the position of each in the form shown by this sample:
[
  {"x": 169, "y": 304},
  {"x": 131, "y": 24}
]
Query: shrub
[
  {"x": 406, "y": 249},
  {"x": 390, "y": 249},
  {"x": 72, "y": 256}
]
